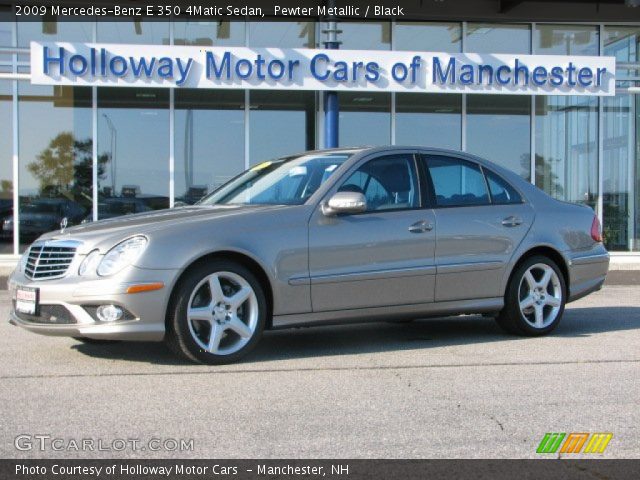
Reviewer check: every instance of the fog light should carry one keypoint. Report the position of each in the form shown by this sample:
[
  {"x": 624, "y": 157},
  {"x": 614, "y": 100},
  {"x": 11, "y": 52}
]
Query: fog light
[{"x": 109, "y": 313}]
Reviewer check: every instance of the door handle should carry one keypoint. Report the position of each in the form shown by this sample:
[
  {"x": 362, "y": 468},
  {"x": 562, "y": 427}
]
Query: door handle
[
  {"x": 421, "y": 227},
  {"x": 512, "y": 221}
]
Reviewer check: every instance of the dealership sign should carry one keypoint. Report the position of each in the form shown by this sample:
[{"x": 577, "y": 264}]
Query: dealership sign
[{"x": 120, "y": 65}]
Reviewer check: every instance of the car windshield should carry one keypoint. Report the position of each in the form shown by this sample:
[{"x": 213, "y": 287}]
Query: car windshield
[{"x": 287, "y": 181}]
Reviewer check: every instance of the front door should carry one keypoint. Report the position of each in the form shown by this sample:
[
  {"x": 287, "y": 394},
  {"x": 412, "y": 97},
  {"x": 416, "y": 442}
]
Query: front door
[{"x": 382, "y": 257}]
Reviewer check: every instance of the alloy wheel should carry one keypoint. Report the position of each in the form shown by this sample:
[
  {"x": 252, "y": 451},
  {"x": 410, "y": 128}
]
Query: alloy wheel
[
  {"x": 222, "y": 313},
  {"x": 540, "y": 295}
]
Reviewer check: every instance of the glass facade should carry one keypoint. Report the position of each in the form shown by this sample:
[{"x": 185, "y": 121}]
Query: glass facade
[
  {"x": 54, "y": 158},
  {"x": 125, "y": 149},
  {"x": 160, "y": 148},
  {"x": 209, "y": 141},
  {"x": 6, "y": 167},
  {"x": 498, "y": 129},
  {"x": 620, "y": 148}
]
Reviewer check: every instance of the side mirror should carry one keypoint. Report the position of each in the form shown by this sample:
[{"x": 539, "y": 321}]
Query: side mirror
[{"x": 345, "y": 202}]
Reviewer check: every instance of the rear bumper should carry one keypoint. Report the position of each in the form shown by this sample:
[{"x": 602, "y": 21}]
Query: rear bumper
[{"x": 587, "y": 274}]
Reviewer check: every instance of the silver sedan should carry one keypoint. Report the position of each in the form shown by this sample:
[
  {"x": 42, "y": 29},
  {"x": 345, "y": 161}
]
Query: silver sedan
[{"x": 368, "y": 234}]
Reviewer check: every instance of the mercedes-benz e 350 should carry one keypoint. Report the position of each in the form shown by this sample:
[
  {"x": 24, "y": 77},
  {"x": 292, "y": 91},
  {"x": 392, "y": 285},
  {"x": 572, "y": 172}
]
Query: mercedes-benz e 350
[{"x": 345, "y": 235}]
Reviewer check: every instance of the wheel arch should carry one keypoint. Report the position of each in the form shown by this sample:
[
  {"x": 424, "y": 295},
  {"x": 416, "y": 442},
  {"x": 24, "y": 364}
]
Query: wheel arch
[
  {"x": 546, "y": 251},
  {"x": 240, "y": 258}
]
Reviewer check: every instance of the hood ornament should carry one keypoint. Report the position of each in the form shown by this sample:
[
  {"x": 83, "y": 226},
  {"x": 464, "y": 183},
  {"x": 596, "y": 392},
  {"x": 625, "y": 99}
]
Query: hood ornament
[{"x": 63, "y": 224}]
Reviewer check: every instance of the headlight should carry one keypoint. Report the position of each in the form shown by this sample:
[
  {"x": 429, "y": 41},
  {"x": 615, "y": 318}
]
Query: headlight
[
  {"x": 90, "y": 263},
  {"x": 122, "y": 255}
]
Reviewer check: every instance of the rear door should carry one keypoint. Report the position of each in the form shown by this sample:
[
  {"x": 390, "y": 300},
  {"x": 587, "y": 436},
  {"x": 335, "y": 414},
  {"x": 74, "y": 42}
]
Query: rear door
[{"x": 481, "y": 221}]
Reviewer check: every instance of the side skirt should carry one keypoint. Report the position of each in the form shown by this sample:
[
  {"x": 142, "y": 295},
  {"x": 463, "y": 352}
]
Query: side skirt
[{"x": 394, "y": 312}]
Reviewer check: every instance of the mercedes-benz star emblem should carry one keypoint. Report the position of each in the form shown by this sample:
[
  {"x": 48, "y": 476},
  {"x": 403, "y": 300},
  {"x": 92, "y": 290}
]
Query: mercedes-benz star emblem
[{"x": 63, "y": 224}]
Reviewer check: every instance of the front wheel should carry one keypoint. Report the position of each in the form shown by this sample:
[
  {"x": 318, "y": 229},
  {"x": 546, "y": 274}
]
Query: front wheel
[
  {"x": 218, "y": 315},
  {"x": 535, "y": 298}
]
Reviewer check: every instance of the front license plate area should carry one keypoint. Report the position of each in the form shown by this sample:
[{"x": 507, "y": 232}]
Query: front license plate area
[{"x": 27, "y": 300}]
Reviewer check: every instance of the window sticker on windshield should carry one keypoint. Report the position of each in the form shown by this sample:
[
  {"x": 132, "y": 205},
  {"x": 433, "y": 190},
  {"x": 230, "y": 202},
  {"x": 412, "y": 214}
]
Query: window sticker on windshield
[
  {"x": 298, "y": 171},
  {"x": 261, "y": 166}
]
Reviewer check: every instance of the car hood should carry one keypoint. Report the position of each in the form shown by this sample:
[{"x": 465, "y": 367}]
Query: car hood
[{"x": 121, "y": 227}]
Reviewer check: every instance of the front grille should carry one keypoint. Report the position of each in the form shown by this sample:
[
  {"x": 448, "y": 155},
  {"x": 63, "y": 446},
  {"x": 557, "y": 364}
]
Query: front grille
[
  {"x": 48, "y": 261},
  {"x": 48, "y": 315}
]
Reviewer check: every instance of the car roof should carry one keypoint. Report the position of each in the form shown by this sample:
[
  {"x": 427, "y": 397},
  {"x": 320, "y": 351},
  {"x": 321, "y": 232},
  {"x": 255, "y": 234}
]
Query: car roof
[
  {"x": 511, "y": 176},
  {"x": 366, "y": 150}
]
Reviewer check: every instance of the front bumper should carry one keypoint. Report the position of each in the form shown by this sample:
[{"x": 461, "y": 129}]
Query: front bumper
[{"x": 66, "y": 304}]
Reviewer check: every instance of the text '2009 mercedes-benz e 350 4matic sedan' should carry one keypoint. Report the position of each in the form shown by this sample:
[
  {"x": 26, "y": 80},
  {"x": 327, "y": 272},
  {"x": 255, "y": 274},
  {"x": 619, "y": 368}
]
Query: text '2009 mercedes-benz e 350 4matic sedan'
[{"x": 390, "y": 233}]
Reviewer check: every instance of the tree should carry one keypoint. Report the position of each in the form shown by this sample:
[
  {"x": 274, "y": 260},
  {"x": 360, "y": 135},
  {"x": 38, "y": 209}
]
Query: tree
[{"x": 65, "y": 167}]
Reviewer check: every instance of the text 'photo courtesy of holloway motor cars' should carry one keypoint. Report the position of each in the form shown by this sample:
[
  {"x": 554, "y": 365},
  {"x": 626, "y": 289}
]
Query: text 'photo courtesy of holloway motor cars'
[{"x": 333, "y": 236}]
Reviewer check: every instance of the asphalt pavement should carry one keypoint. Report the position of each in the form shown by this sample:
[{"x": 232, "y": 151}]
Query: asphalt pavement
[{"x": 429, "y": 389}]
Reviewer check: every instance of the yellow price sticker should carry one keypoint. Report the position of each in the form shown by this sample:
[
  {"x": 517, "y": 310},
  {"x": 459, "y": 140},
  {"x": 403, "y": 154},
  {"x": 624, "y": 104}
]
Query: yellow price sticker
[{"x": 261, "y": 166}]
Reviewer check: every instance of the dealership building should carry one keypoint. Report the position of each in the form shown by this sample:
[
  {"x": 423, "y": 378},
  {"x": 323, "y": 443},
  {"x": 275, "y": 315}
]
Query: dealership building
[{"x": 93, "y": 144}]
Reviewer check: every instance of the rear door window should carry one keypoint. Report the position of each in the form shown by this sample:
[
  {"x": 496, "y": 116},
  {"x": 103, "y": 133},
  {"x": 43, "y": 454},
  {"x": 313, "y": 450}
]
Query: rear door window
[
  {"x": 501, "y": 192},
  {"x": 456, "y": 182}
]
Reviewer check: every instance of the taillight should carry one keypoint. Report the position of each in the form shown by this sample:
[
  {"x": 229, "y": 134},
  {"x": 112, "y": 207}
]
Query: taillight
[{"x": 596, "y": 231}]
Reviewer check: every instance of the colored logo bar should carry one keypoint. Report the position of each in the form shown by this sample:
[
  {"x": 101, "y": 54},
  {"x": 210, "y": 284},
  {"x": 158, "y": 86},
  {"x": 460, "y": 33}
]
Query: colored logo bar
[{"x": 573, "y": 442}]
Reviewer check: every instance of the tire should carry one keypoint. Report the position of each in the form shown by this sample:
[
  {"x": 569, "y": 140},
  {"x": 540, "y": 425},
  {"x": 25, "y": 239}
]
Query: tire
[
  {"x": 535, "y": 298},
  {"x": 218, "y": 313}
]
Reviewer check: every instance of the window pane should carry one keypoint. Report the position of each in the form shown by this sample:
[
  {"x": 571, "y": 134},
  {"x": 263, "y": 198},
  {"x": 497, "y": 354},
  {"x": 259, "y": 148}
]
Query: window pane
[
  {"x": 6, "y": 167},
  {"x": 566, "y": 40},
  {"x": 567, "y": 147},
  {"x": 55, "y": 158},
  {"x": 282, "y": 34},
  {"x": 429, "y": 119},
  {"x": 621, "y": 159},
  {"x": 501, "y": 191},
  {"x": 138, "y": 32},
  {"x": 365, "y": 118},
  {"x": 499, "y": 129},
  {"x": 428, "y": 37},
  {"x": 6, "y": 32},
  {"x": 388, "y": 183},
  {"x": 456, "y": 182},
  {"x": 209, "y": 141},
  {"x": 496, "y": 38},
  {"x": 133, "y": 148},
  {"x": 281, "y": 123},
  {"x": 365, "y": 35},
  {"x": 60, "y": 29},
  {"x": 194, "y": 32}
]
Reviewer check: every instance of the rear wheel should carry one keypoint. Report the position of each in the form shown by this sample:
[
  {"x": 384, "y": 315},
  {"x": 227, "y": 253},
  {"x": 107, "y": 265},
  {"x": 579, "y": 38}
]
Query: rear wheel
[
  {"x": 535, "y": 298},
  {"x": 218, "y": 314}
]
